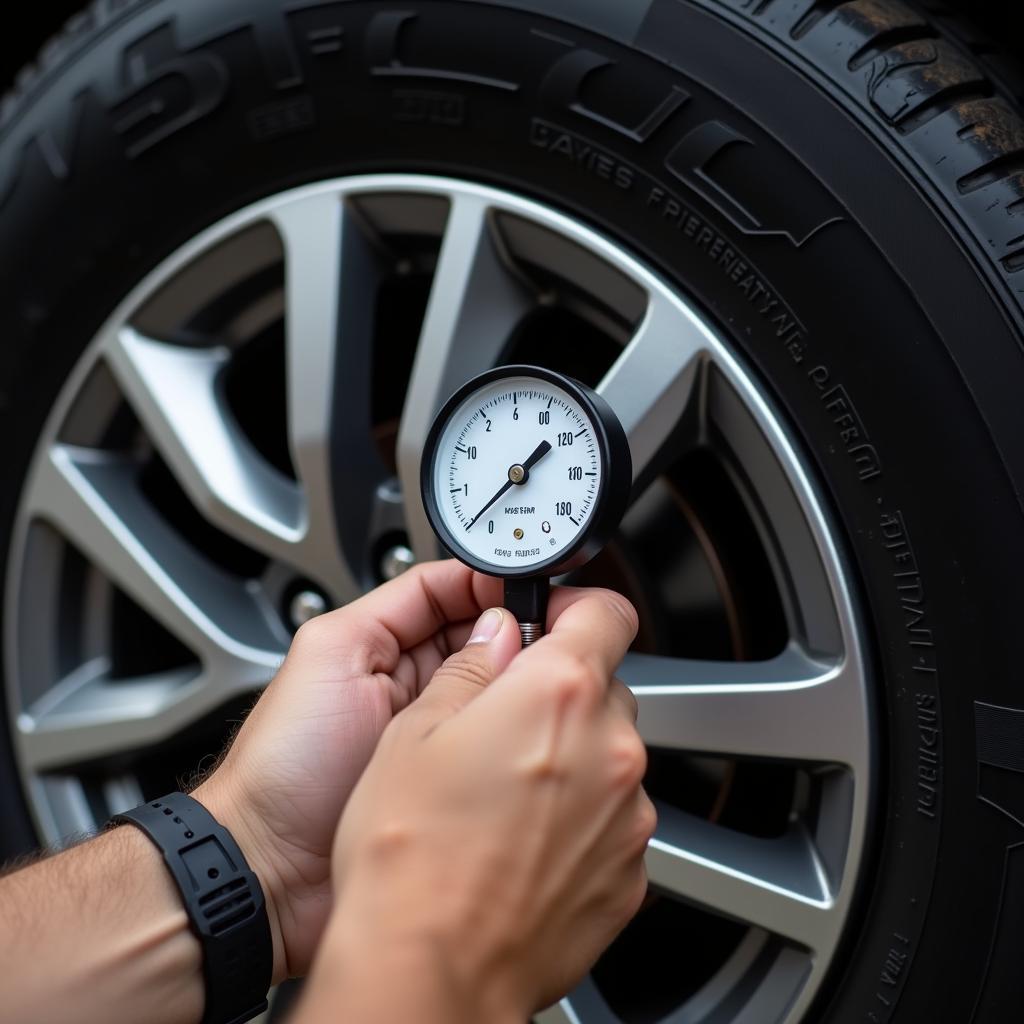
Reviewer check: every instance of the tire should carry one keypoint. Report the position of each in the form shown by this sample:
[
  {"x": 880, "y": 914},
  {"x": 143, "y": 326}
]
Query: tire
[{"x": 838, "y": 187}]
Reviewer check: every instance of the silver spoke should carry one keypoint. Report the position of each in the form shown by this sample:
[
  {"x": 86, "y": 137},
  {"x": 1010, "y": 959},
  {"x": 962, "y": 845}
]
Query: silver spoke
[
  {"x": 92, "y": 500},
  {"x": 311, "y": 232},
  {"x": 789, "y": 708},
  {"x": 775, "y": 884},
  {"x": 474, "y": 305},
  {"x": 656, "y": 376},
  {"x": 584, "y": 1003},
  {"x": 88, "y": 716},
  {"x": 175, "y": 394},
  {"x": 560, "y": 1013}
]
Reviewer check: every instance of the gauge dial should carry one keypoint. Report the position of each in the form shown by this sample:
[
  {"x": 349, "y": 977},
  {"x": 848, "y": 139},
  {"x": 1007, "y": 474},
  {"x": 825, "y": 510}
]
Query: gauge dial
[{"x": 515, "y": 471}]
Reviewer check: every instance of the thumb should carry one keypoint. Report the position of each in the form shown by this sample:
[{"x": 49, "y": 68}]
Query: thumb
[{"x": 494, "y": 642}]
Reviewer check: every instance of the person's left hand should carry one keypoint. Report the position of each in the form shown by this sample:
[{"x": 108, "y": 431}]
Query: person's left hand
[{"x": 284, "y": 782}]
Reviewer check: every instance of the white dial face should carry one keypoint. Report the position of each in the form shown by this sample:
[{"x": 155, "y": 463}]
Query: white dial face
[{"x": 517, "y": 428}]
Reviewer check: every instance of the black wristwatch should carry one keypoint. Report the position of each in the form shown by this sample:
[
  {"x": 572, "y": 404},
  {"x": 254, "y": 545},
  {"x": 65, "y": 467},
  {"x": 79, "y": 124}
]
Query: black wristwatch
[{"x": 223, "y": 899}]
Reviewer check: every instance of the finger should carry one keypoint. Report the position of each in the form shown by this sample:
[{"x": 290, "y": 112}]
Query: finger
[
  {"x": 408, "y": 609},
  {"x": 563, "y": 598},
  {"x": 420, "y": 661},
  {"x": 456, "y": 634},
  {"x": 416, "y": 666},
  {"x": 573, "y": 665},
  {"x": 414, "y": 671},
  {"x": 645, "y": 821},
  {"x": 592, "y": 624},
  {"x": 415, "y": 605},
  {"x": 625, "y": 834},
  {"x": 621, "y": 701},
  {"x": 494, "y": 642}
]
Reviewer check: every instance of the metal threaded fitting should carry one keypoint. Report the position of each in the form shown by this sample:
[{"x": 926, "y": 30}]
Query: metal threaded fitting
[{"x": 530, "y": 632}]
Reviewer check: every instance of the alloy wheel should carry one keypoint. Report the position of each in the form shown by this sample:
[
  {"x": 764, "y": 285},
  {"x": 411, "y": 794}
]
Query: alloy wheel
[{"x": 240, "y": 446}]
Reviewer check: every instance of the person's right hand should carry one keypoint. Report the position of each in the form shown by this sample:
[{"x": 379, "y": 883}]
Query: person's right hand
[{"x": 500, "y": 827}]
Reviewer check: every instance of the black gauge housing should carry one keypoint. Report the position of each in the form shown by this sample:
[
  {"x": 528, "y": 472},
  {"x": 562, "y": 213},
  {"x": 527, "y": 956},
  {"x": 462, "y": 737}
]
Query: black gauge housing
[{"x": 612, "y": 494}]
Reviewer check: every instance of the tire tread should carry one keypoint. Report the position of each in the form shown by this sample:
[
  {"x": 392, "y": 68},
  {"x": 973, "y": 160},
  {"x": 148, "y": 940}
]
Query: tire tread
[{"x": 945, "y": 95}]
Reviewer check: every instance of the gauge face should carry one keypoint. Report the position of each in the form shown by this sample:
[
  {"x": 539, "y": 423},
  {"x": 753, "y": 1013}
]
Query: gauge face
[{"x": 516, "y": 473}]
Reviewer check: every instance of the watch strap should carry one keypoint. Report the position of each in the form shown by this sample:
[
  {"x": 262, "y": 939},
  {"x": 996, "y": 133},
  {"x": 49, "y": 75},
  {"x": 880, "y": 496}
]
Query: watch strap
[{"x": 223, "y": 899}]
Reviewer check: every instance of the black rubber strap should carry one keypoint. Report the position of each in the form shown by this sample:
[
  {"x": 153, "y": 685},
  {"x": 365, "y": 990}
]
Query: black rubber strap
[{"x": 223, "y": 899}]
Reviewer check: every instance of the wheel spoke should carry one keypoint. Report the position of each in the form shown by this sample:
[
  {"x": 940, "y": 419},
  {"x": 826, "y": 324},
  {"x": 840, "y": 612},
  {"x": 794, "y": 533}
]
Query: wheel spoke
[
  {"x": 88, "y": 716},
  {"x": 174, "y": 391},
  {"x": 651, "y": 384},
  {"x": 775, "y": 884},
  {"x": 474, "y": 305},
  {"x": 312, "y": 231},
  {"x": 789, "y": 708},
  {"x": 561, "y": 1013},
  {"x": 584, "y": 1003},
  {"x": 92, "y": 499}
]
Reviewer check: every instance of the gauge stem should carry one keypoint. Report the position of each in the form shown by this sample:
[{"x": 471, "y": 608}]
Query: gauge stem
[{"x": 527, "y": 600}]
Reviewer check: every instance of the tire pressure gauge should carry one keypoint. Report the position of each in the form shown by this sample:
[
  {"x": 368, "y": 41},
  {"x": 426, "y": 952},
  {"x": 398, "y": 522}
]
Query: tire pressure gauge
[{"x": 525, "y": 475}]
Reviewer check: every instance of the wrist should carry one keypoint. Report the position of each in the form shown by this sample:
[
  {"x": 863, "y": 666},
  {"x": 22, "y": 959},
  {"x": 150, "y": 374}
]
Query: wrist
[
  {"x": 220, "y": 798},
  {"x": 359, "y": 960},
  {"x": 383, "y": 926}
]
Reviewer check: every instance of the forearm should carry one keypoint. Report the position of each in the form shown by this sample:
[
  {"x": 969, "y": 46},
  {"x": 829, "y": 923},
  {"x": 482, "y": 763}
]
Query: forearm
[{"x": 98, "y": 932}]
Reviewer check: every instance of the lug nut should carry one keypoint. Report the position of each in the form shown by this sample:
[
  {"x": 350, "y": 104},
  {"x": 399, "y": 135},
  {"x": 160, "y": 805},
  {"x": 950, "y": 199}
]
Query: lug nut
[
  {"x": 396, "y": 560},
  {"x": 306, "y": 605}
]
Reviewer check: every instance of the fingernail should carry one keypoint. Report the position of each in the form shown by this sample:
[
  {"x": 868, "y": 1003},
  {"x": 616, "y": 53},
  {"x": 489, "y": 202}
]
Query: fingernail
[{"x": 486, "y": 627}]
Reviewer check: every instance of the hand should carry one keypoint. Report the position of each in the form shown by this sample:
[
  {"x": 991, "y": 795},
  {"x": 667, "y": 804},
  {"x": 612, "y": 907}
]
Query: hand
[
  {"x": 285, "y": 780},
  {"x": 496, "y": 840}
]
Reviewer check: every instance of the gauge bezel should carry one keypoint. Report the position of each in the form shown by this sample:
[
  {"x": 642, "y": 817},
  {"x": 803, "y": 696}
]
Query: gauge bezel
[{"x": 612, "y": 492}]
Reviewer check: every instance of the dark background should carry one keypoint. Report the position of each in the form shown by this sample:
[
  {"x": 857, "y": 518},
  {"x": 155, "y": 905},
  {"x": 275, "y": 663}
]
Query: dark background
[
  {"x": 1003, "y": 19},
  {"x": 36, "y": 23}
]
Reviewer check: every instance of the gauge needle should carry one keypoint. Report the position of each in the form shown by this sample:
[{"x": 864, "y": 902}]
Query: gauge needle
[{"x": 537, "y": 454}]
